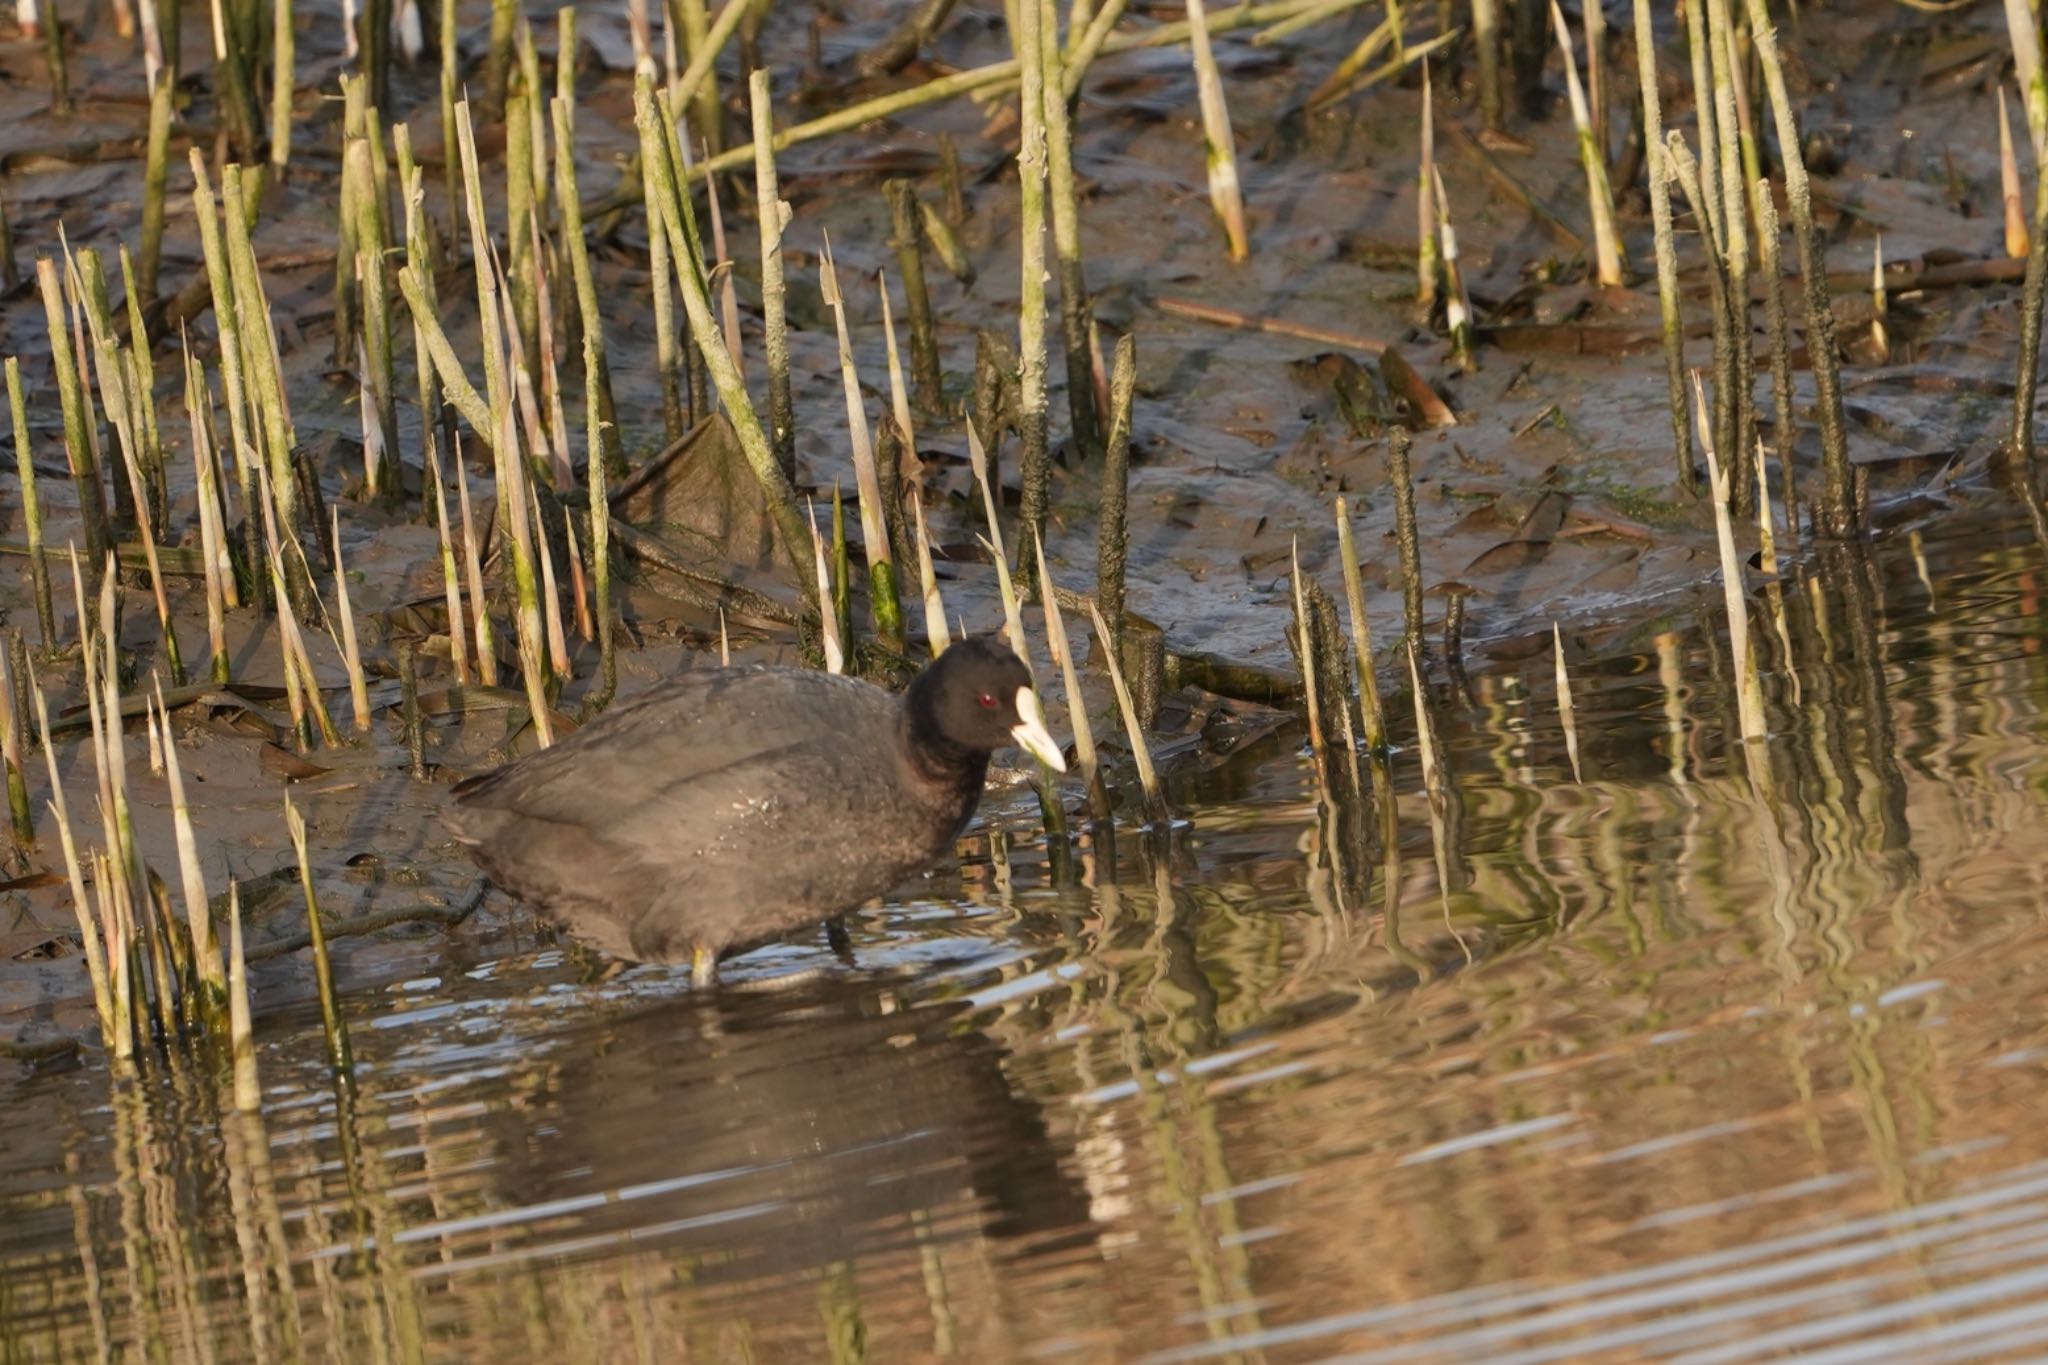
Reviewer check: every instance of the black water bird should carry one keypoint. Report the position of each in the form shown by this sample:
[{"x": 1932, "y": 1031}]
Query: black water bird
[{"x": 726, "y": 807}]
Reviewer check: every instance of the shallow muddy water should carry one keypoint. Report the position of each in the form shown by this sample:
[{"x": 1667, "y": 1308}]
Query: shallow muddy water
[{"x": 1677, "y": 1063}]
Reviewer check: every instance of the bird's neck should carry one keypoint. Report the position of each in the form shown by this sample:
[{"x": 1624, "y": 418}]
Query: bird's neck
[{"x": 935, "y": 760}]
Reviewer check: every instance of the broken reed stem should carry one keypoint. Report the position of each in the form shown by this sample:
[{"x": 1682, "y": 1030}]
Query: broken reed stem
[
  {"x": 2016, "y": 240},
  {"x": 351, "y": 654},
  {"x": 773, "y": 215},
  {"x": 1880, "y": 338},
  {"x": 1141, "y": 752},
  {"x": 1112, "y": 529},
  {"x": 241, "y": 1029},
  {"x": 1672, "y": 323},
  {"x": 1599, "y": 197},
  {"x": 882, "y": 599},
  {"x": 340, "y": 1057},
  {"x": 935, "y": 634},
  {"x": 1842, "y": 515},
  {"x": 1781, "y": 352},
  {"x": 282, "y": 82},
  {"x": 1371, "y": 712},
  {"x": 1062, "y": 648},
  {"x": 1226, "y": 195},
  {"x": 597, "y": 373},
  {"x": 1066, "y": 236},
  {"x": 1035, "y": 465},
  {"x": 1565, "y": 715},
  {"x": 1748, "y": 689},
  {"x": 906, "y": 237},
  {"x": 31, "y": 508},
  {"x": 78, "y": 438},
  {"x": 1486, "y": 37}
]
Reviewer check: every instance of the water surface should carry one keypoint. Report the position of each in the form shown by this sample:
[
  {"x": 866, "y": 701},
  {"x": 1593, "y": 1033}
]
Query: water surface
[{"x": 1709, "y": 1056}]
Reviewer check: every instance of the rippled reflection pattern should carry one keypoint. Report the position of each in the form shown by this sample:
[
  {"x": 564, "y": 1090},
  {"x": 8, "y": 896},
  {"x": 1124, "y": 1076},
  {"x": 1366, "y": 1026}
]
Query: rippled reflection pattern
[{"x": 1721, "y": 1053}]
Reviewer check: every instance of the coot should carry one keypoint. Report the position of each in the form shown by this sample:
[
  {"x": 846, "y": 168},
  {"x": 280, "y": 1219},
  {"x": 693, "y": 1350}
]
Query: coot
[{"x": 726, "y": 807}]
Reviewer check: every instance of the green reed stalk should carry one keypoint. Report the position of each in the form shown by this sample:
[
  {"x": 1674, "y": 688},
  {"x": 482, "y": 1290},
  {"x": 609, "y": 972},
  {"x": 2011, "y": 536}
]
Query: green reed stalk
[
  {"x": 1842, "y": 513},
  {"x": 10, "y": 752},
  {"x": 219, "y": 571},
  {"x": 259, "y": 344},
  {"x": 96, "y": 946},
  {"x": 241, "y": 1029},
  {"x": 1740, "y": 382},
  {"x": 486, "y": 641},
  {"x": 1607, "y": 255},
  {"x": 31, "y": 509},
  {"x": 935, "y": 633},
  {"x": 455, "y": 384},
  {"x": 600, "y": 544},
  {"x": 1035, "y": 464},
  {"x": 1371, "y": 712},
  {"x": 213, "y": 994},
  {"x": 155, "y": 165},
  {"x": 883, "y": 601},
  {"x": 1748, "y": 689},
  {"x": 732, "y": 392},
  {"x": 352, "y": 656},
  {"x": 451, "y": 574},
  {"x": 1405, "y": 536},
  {"x": 1062, "y": 648},
  {"x": 227, "y": 319},
  {"x": 382, "y": 477},
  {"x": 828, "y": 616},
  {"x": 1066, "y": 236},
  {"x": 78, "y": 442},
  {"x": 1112, "y": 526},
  {"x": 1427, "y": 256},
  {"x": 1141, "y": 752},
  {"x": 772, "y": 213},
  {"x": 1781, "y": 351},
  {"x": 906, "y": 237},
  {"x": 340, "y": 1057},
  {"x": 1672, "y": 323},
  {"x": 597, "y": 375},
  {"x": 1311, "y": 686}
]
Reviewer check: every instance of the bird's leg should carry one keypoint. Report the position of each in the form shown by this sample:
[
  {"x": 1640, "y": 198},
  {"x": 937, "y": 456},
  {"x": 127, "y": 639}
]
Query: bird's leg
[
  {"x": 840, "y": 941},
  {"x": 703, "y": 966}
]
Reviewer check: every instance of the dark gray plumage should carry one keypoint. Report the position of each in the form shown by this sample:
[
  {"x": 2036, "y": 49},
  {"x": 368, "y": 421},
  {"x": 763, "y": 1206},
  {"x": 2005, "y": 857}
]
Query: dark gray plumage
[{"x": 729, "y": 806}]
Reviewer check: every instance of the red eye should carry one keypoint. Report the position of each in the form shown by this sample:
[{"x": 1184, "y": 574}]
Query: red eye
[{"x": 987, "y": 701}]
